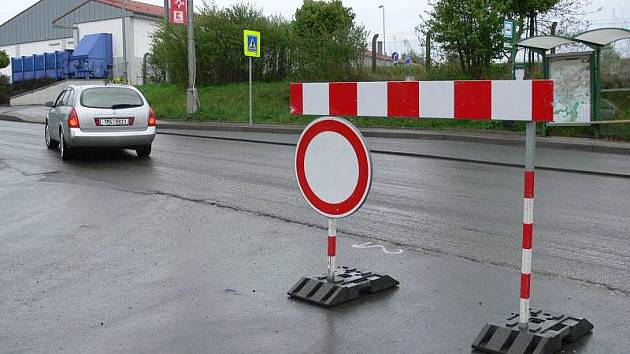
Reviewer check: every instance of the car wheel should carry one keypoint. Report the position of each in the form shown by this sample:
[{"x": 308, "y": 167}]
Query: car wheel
[
  {"x": 144, "y": 151},
  {"x": 64, "y": 150},
  {"x": 50, "y": 143}
]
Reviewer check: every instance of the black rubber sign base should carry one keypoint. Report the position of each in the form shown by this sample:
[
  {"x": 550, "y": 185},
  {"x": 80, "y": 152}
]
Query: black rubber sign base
[
  {"x": 547, "y": 333},
  {"x": 349, "y": 285}
]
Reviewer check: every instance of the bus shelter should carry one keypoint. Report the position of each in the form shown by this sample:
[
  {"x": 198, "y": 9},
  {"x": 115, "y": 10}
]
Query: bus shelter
[{"x": 576, "y": 72}]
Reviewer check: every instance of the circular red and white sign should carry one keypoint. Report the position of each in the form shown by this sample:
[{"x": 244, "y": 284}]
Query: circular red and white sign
[{"x": 333, "y": 167}]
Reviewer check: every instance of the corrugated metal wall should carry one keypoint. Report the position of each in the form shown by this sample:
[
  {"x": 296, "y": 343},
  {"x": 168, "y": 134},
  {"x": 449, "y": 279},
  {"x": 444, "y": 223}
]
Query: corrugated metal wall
[{"x": 35, "y": 24}]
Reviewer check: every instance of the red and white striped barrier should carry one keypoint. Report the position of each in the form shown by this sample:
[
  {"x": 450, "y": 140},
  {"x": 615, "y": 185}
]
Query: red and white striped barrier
[
  {"x": 528, "y": 101},
  {"x": 528, "y": 235},
  {"x": 514, "y": 100}
]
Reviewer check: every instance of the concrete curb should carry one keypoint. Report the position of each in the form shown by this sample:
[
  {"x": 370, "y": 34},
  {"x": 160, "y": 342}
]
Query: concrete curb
[{"x": 579, "y": 144}]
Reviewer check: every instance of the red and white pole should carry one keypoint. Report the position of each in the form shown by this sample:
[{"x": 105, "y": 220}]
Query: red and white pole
[
  {"x": 528, "y": 223},
  {"x": 332, "y": 249}
]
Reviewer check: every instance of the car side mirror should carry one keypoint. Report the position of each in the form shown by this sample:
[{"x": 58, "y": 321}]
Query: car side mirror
[{"x": 50, "y": 104}]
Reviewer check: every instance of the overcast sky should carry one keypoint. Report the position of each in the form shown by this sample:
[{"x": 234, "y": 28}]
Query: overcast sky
[{"x": 401, "y": 16}]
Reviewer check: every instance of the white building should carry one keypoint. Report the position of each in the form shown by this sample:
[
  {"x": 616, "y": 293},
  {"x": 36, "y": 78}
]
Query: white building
[{"x": 51, "y": 25}]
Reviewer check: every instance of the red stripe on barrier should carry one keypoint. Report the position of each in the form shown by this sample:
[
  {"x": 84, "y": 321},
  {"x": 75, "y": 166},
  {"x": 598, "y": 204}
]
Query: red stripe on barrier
[
  {"x": 542, "y": 101},
  {"x": 528, "y": 235},
  {"x": 332, "y": 246},
  {"x": 525, "y": 284},
  {"x": 297, "y": 99},
  {"x": 403, "y": 99},
  {"x": 342, "y": 98},
  {"x": 529, "y": 184},
  {"x": 473, "y": 100}
]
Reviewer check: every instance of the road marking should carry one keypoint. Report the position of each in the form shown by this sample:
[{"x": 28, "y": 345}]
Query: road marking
[{"x": 372, "y": 245}]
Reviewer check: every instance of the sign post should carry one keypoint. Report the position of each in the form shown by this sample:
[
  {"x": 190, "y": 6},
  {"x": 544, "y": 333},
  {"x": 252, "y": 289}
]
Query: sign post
[
  {"x": 192, "y": 98},
  {"x": 332, "y": 249},
  {"x": 509, "y": 34},
  {"x": 334, "y": 173},
  {"x": 251, "y": 46}
]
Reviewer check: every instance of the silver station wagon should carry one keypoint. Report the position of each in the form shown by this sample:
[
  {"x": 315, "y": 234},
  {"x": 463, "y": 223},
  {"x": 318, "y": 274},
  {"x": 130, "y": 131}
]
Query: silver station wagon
[{"x": 100, "y": 116}]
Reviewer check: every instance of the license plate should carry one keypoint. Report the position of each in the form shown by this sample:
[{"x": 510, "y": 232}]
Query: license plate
[{"x": 112, "y": 122}]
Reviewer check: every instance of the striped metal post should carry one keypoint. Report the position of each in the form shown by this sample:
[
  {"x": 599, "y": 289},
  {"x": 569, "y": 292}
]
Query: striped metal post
[
  {"x": 528, "y": 223},
  {"x": 332, "y": 249}
]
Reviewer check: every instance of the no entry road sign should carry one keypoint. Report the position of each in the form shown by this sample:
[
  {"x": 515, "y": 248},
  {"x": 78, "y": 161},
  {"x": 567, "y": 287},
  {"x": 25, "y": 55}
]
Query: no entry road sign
[
  {"x": 334, "y": 174},
  {"x": 333, "y": 167}
]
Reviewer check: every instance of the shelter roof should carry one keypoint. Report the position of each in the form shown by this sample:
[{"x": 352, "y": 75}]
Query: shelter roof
[{"x": 595, "y": 37}]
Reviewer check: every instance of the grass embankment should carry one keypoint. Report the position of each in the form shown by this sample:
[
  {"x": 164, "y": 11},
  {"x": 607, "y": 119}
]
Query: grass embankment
[{"x": 229, "y": 103}]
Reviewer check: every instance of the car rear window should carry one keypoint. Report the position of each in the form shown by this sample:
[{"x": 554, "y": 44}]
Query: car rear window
[{"x": 110, "y": 97}]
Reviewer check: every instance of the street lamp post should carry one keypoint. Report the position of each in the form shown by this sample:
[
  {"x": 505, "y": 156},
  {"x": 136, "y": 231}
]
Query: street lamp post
[{"x": 383, "y": 7}]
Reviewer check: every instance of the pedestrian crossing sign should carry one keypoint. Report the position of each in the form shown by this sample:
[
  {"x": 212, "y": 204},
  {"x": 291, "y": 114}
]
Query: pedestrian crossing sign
[{"x": 251, "y": 41}]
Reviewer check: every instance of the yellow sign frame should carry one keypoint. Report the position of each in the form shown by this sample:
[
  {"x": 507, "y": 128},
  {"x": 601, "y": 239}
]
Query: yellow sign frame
[{"x": 246, "y": 45}]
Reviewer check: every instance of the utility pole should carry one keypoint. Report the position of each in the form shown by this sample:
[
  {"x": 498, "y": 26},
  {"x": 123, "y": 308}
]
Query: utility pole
[
  {"x": 166, "y": 5},
  {"x": 384, "y": 48},
  {"x": 192, "y": 100},
  {"x": 427, "y": 51},
  {"x": 123, "y": 16},
  {"x": 554, "y": 25}
]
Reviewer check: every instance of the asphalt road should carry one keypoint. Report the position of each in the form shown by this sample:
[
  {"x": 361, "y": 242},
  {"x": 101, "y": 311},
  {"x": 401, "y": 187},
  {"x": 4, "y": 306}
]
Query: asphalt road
[{"x": 194, "y": 250}]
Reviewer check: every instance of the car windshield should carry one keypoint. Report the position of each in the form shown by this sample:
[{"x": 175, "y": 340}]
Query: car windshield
[{"x": 110, "y": 97}]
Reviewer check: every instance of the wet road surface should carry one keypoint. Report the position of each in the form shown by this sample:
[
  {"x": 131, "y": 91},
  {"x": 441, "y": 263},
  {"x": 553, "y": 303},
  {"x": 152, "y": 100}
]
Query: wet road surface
[{"x": 194, "y": 249}]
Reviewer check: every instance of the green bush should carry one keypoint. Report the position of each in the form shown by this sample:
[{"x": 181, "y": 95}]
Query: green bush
[
  {"x": 327, "y": 42},
  {"x": 5, "y": 90},
  {"x": 300, "y": 49},
  {"x": 219, "y": 46},
  {"x": 4, "y": 59}
]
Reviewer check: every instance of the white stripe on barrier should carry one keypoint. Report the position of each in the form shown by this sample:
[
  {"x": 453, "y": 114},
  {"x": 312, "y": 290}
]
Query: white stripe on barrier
[
  {"x": 528, "y": 211},
  {"x": 372, "y": 99},
  {"x": 526, "y": 262},
  {"x": 508, "y": 98},
  {"x": 437, "y": 99},
  {"x": 524, "y": 311},
  {"x": 315, "y": 98}
]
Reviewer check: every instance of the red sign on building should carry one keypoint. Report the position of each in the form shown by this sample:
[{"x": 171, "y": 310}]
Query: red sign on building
[{"x": 177, "y": 12}]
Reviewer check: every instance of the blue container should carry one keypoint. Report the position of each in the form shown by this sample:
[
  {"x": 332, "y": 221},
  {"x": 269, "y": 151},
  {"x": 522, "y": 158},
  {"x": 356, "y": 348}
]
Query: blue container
[
  {"x": 93, "y": 57},
  {"x": 17, "y": 68},
  {"x": 51, "y": 65},
  {"x": 40, "y": 65},
  {"x": 64, "y": 69},
  {"x": 59, "y": 56},
  {"x": 29, "y": 68}
]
